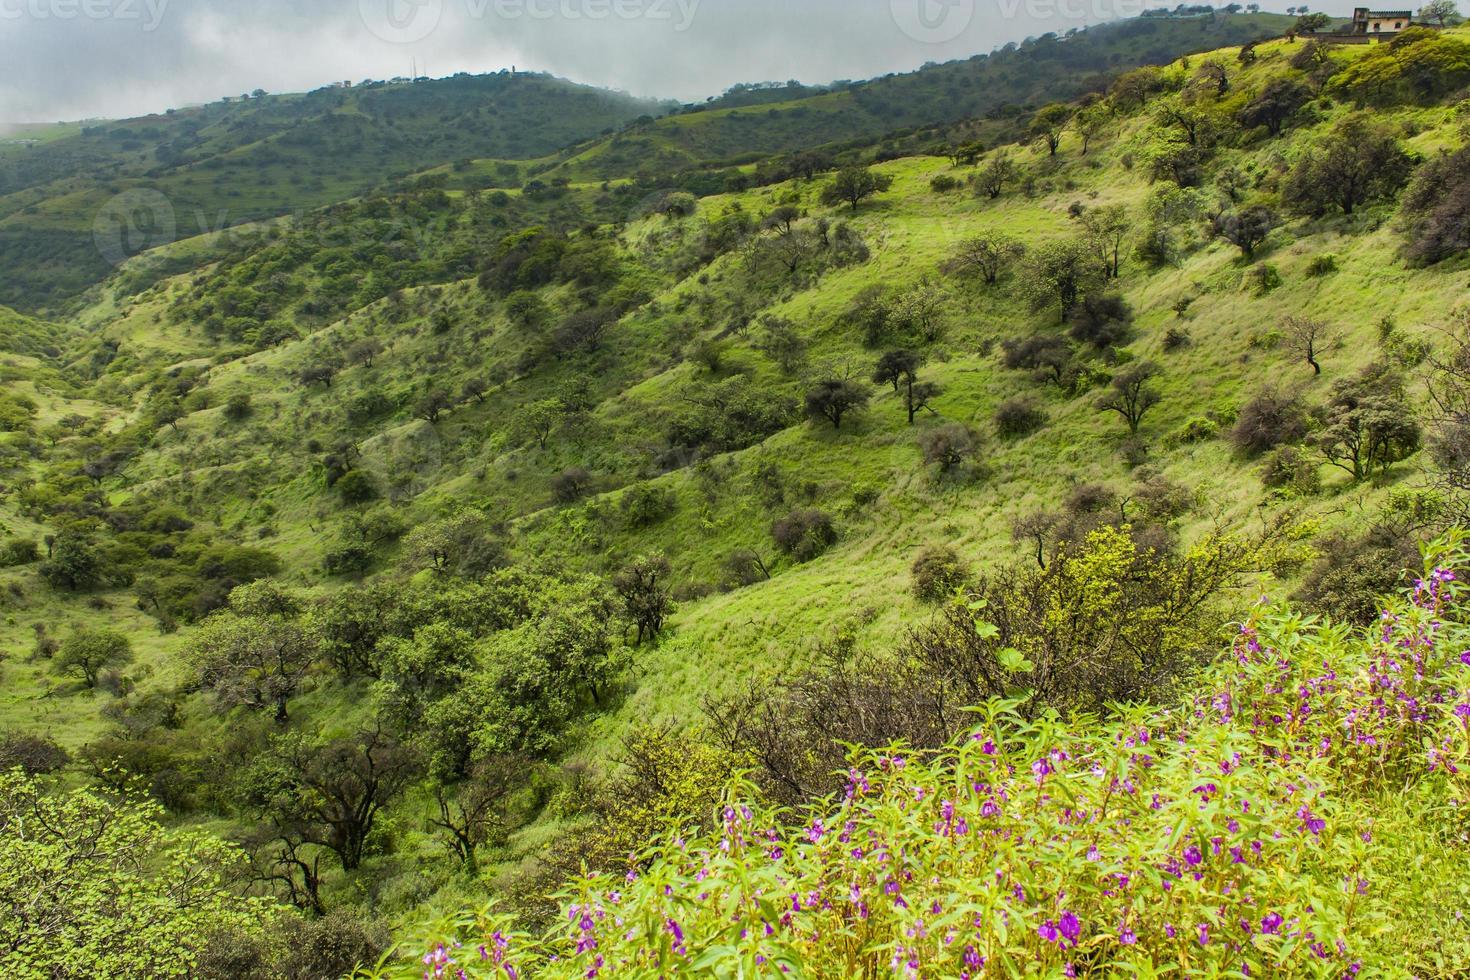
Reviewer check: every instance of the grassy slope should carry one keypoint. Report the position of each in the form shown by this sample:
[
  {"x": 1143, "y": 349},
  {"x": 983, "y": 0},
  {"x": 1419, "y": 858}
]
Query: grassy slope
[{"x": 722, "y": 641}]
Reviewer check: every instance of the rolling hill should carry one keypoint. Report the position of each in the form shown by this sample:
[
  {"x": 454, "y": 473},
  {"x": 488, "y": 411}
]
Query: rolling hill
[{"x": 540, "y": 494}]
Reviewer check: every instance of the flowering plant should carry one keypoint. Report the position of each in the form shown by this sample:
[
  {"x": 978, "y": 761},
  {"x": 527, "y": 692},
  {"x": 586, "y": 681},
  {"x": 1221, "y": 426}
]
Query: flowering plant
[{"x": 1301, "y": 814}]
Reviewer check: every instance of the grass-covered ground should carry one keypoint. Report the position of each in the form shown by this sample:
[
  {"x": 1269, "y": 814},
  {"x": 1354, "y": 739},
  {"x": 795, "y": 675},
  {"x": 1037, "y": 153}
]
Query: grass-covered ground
[{"x": 165, "y": 354}]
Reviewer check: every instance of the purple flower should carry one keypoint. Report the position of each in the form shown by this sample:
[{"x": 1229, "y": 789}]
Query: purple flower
[
  {"x": 1127, "y": 937},
  {"x": 1070, "y": 926},
  {"x": 1192, "y": 856},
  {"x": 1048, "y": 931},
  {"x": 1271, "y": 924},
  {"x": 1204, "y": 934}
]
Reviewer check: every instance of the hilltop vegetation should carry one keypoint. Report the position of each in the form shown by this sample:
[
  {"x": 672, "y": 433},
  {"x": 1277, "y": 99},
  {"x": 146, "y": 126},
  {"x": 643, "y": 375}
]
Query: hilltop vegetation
[
  {"x": 488, "y": 530},
  {"x": 261, "y": 156}
]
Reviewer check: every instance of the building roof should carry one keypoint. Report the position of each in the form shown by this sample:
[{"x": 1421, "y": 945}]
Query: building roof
[{"x": 1401, "y": 14}]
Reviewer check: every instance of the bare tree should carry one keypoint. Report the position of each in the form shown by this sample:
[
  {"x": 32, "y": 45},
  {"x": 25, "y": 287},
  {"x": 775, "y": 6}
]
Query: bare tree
[{"x": 1307, "y": 338}]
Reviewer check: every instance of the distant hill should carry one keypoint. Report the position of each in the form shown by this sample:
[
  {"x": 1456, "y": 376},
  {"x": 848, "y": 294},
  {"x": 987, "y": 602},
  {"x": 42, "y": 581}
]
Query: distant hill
[
  {"x": 253, "y": 158},
  {"x": 751, "y": 123},
  {"x": 239, "y": 161}
]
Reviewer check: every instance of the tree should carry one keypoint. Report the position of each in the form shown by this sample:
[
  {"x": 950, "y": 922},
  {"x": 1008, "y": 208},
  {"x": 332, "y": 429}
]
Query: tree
[
  {"x": 1089, "y": 124},
  {"x": 475, "y": 389},
  {"x": 1312, "y": 23},
  {"x": 364, "y": 352},
  {"x": 1108, "y": 228},
  {"x": 329, "y": 794},
  {"x": 781, "y": 220},
  {"x": 986, "y": 255},
  {"x": 96, "y": 886},
  {"x": 1368, "y": 425},
  {"x": 432, "y": 404},
  {"x": 895, "y": 368},
  {"x": 1248, "y": 228},
  {"x": 464, "y": 544},
  {"x": 643, "y": 587},
  {"x": 1132, "y": 394},
  {"x": 538, "y": 421},
  {"x": 571, "y": 484},
  {"x": 254, "y": 654},
  {"x": 783, "y": 343},
  {"x": 1060, "y": 273},
  {"x": 1048, "y": 125},
  {"x": 88, "y": 652},
  {"x": 1435, "y": 214},
  {"x": 833, "y": 399},
  {"x": 1270, "y": 419},
  {"x": 1001, "y": 171},
  {"x": 477, "y": 813},
  {"x": 527, "y": 310},
  {"x": 1441, "y": 12},
  {"x": 321, "y": 374},
  {"x": 73, "y": 562},
  {"x": 1213, "y": 74},
  {"x": 853, "y": 185},
  {"x": 1307, "y": 338},
  {"x": 1107, "y": 621},
  {"x": 1278, "y": 100},
  {"x": 1360, "y": 161}
]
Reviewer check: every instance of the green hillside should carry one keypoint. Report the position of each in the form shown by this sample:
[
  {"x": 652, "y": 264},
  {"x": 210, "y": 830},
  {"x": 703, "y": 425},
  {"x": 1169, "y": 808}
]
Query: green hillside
[
  {"x": 489, "y": 521},
  {"x": 244, "y": 160}
]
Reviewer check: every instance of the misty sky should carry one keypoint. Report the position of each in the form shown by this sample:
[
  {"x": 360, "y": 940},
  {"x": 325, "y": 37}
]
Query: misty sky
[{"x": 71, "y": 59}]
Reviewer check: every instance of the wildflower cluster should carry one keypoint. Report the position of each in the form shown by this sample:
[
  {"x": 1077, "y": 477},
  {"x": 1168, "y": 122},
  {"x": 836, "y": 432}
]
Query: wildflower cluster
[{"x": 1300, "y": 816}]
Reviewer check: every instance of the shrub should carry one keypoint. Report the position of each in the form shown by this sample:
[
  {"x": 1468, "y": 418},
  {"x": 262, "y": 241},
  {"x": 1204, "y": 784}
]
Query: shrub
[
  {"x": 1322, "y": 265},
  {"x": 19, "y": 551},
  {"x": 1353, "y": 575},
  {"x": 644, "y": 505},
  {"x": 944, "y": 183},
  {"x": 1291, "y": 471},
  {"x": 804, "y": 534},
  {"x": 1194, "y": 430},
  {"x": 37, "y": 755},
  {"x": 570, "y": 485},
  {"x": 938, "y": 572},
  {"x": 950, "y": 446},
  {"x": 1102, "y": 320},
  {"x": 1018, "y": 417},
  {"x": 238, "y": 407},
  {"x": 1435, "y": 215},
  {"x": 1261, "y": 278},
  {"x": 1272, "y": 418},
  {"x": 357, "y": 487}
]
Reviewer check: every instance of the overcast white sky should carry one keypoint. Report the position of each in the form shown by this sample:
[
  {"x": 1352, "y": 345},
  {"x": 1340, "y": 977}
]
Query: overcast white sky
[{"x": 71, "y": 59}]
